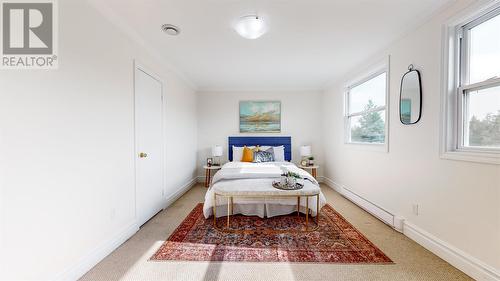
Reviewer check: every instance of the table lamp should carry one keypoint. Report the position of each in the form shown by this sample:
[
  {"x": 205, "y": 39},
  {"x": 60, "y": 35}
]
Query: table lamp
[
  {"x": 217, "y": 153},
  {"x": 305, "y": 152}
]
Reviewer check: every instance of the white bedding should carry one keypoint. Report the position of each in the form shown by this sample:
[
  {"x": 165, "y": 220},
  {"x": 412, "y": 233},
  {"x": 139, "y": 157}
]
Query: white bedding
[{"x": 239, "y": 176}]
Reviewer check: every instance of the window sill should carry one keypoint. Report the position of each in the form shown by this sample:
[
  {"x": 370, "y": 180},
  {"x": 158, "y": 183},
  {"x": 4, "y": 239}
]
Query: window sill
[
  {"x": 377, "y": 147},
  {"x": 472, "y": 156}
]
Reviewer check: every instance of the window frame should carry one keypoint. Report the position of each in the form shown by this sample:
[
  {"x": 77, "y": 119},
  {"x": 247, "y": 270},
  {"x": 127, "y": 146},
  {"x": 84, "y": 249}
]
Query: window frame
[
  {"x": 455, "y": 81},
  {"x": 361, "y": 79}
]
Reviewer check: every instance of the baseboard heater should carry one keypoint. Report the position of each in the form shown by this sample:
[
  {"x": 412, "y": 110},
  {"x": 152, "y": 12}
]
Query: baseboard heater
[{"x": 372, "y": 208}]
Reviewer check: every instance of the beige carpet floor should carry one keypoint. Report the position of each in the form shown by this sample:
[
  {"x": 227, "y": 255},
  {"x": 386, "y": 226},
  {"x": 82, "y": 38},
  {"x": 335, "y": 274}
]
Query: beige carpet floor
[{"x": 130, "y": 261}]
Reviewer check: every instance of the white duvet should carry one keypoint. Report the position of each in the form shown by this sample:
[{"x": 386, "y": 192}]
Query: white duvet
[{"x": 235, "y": 176}]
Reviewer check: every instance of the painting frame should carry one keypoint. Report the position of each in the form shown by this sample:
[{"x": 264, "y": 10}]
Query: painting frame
[{"x": 259, "y": 116}]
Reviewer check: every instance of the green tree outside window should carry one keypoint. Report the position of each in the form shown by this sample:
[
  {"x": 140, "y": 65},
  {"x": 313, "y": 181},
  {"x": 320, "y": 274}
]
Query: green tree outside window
[{"x": 371, "y": 127}]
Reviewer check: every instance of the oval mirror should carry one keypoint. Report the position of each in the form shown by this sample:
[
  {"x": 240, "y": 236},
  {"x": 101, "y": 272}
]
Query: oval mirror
[{"x": 410, "y": 101}]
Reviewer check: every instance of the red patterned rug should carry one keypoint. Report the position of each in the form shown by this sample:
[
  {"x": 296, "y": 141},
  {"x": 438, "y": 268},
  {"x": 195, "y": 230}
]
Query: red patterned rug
[{"x": 335, "y": 241}]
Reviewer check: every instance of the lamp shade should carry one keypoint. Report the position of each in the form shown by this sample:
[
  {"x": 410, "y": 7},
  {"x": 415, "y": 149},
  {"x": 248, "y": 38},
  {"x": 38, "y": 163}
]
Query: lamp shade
[
  {"x": 217, "y": 150},
  {"x": 305, "y": 150}
]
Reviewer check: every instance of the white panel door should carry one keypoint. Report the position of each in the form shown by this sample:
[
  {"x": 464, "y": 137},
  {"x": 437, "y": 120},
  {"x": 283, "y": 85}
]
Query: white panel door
[{"x": 149, "y": 146}]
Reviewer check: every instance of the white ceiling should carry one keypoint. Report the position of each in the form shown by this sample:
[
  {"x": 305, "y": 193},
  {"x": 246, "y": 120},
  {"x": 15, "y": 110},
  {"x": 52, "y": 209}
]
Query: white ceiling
[{"x": 309, "y": 43}]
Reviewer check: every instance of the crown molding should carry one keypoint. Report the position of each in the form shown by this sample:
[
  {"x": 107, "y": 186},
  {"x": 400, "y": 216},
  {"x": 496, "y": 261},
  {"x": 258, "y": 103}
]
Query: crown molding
[{"x": 207, "y": 91}]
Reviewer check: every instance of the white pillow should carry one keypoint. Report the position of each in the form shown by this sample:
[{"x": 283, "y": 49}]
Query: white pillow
[
  {"x": 279, "y": 153},
  {"x": 238, "y": 153}
]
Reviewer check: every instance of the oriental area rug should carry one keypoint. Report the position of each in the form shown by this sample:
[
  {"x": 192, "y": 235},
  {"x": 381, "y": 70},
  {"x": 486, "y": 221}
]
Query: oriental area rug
[{"x": 335, "y": 240}]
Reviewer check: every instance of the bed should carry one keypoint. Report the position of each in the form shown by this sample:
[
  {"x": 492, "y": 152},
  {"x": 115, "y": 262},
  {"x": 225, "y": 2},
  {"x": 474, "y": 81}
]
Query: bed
[{"x": 241, "y": 176}]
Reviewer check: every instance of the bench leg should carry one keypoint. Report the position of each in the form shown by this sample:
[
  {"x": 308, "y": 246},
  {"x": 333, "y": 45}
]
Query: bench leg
[
  {"x": 229, "y": 199},
  {"x": 307, "y": 211},
  {"x": 298, "y": 206},
  {"x": 317, "y": 209},
  {"x": 215, "y": 210},
  {"x": 232, "y": 206}
]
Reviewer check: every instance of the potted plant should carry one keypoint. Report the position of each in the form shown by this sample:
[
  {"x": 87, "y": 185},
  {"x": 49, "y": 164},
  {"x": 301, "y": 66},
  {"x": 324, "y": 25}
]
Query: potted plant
[
  {"x": 292, "y": 178},
  {"x": 311, "y": 161}
]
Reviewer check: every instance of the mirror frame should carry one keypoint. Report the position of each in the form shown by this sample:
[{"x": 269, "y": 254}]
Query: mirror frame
[{"x": 411, "y": 69}]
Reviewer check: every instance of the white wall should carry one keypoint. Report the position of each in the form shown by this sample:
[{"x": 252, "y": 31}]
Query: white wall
[
  {"x": 459, "y": 202},
  {"x": 218, "y": 118},
  {"x": 67, "y": 148}
]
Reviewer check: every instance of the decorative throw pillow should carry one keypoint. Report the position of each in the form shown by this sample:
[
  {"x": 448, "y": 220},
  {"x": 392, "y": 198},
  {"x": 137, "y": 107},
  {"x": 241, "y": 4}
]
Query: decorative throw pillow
[
  {"x": 238, "y": 152},
  {"x": 263, "y": 156},
  {"x": 247, "y": 155},
  {"x": 270, "y": 150}
]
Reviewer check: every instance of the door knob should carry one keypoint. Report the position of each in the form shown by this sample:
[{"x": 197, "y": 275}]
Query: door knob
[{"x": 143, "y": 155}]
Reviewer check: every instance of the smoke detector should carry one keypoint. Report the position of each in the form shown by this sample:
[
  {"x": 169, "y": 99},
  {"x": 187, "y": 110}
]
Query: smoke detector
[{"x": 170, "y": 29}]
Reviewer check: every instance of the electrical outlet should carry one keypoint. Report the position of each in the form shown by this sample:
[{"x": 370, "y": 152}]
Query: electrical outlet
[{"x": 415, "y": 209}]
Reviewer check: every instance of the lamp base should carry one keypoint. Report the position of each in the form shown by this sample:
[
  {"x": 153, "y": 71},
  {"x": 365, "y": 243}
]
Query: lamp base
[{"x": 216, "y": 161}]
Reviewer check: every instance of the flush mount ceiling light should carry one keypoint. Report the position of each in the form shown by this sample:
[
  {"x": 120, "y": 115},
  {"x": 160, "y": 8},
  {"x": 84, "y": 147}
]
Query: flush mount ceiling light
[
  {"x": 250, "y": 27},
  {"x": 170, "y": 29}
]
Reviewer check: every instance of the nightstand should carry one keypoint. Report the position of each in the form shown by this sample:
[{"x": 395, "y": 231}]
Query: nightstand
[
  {"x": 208, "y": 172},
  {"x": 313, "y": 169}
]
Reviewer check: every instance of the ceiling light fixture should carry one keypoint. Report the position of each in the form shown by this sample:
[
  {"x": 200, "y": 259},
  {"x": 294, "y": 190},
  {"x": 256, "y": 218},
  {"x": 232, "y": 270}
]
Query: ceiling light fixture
[
  {"x": 170, "y": 29},
  {"x": 251, "y": 27}
]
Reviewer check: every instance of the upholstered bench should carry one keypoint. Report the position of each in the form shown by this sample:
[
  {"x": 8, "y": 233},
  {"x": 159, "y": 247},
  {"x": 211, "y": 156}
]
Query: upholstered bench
[{"x": 269, "y": 194}]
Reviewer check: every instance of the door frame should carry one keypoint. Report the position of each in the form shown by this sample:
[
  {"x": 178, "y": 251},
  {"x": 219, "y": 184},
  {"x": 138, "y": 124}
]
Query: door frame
[{"x": 137, "y": 65}]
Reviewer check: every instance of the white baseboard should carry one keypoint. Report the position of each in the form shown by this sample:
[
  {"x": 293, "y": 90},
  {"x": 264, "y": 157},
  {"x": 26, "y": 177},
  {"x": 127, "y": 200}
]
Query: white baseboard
[
  {"x": 372, "y": 208},
  {"x": 172, "y": 198},
  {"x": 99, "y": 253},
  {"x": 103, "y": 250},
  {"x": 456, "y": 257}
]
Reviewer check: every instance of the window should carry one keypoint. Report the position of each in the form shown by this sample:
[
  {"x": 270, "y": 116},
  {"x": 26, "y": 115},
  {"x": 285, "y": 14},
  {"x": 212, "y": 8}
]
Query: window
[
  {"x": 472, "y": 126},
  {"x": 366, "y": 110},
  {"x": 480, "y": 82}
]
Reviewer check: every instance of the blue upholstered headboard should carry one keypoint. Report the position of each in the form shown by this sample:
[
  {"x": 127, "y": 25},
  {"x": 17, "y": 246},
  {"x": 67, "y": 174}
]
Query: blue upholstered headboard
[{"x": 262, "y": 141}]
